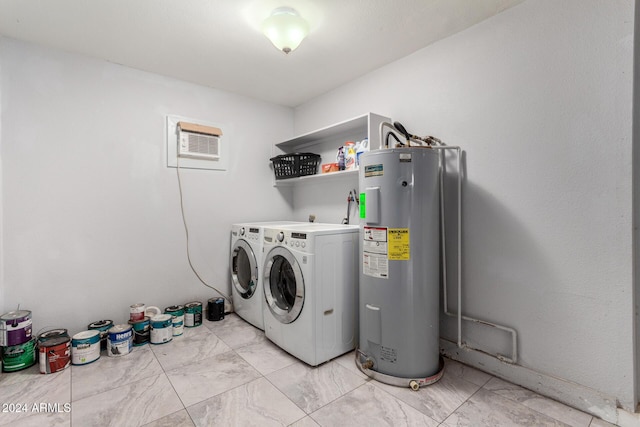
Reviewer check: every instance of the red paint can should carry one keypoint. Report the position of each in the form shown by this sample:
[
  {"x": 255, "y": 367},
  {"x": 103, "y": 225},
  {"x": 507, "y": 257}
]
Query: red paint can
[
  {"x": 136, "y": 312},
  {"x": 55, "y": 354}
]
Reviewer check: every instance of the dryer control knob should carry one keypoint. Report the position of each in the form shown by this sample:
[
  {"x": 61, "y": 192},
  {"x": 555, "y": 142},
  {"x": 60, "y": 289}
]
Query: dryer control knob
[
  {"x": 280, "y": 236},
  {"x": 242, "y": 231}
]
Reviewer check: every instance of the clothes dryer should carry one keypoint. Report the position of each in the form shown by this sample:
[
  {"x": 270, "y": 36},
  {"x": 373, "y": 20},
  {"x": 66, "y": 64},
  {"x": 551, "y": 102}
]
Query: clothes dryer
[
  {"x": 310, "y": 281},
  {"x": 245, "y": 263}
]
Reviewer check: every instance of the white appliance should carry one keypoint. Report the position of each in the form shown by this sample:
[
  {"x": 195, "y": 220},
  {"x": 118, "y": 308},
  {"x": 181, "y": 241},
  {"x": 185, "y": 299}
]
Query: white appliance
[
  {"x": 310, "y": 281},
  {"x": 245, "y": 264}
]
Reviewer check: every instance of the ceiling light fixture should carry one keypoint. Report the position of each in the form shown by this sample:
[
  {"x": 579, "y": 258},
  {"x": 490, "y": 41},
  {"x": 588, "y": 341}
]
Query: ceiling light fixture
[{"x": 285, "y": 28}]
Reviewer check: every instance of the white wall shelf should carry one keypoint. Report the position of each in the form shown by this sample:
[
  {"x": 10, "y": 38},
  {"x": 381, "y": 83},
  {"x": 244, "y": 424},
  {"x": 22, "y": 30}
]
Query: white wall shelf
[{"x": 325, "y": 142}]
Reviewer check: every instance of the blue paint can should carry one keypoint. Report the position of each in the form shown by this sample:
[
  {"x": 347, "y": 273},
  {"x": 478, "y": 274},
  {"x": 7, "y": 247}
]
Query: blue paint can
[{"x": 119, "y": 340}]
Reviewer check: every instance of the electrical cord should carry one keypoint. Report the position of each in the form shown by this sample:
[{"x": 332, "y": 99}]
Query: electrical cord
[{"x": 186, "y": 232}]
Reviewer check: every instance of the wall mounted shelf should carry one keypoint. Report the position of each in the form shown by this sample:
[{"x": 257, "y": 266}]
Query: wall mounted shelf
[{"x": 325, "y": 141}]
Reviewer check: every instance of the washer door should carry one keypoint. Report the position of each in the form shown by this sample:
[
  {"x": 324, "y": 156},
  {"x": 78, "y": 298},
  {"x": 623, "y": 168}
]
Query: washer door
[
  {"x": 244, "y": 269},
  {"x": 283, "y": 285}
]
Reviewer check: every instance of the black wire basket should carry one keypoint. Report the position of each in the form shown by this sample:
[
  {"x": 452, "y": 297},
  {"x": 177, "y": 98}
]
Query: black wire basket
[{"x": 295, "y": 164}]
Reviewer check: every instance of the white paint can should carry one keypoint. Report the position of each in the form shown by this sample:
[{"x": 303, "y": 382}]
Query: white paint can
[
  {"x": 161, "y": 329},
  {"x": 85, "y": 347}
]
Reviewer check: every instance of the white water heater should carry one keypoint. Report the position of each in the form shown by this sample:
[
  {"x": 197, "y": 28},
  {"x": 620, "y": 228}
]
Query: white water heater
[{"x": 400, "y": 260}]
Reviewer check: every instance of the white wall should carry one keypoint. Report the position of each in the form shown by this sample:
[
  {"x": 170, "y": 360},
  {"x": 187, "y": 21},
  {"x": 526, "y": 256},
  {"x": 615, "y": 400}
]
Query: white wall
[
  {"x": 540, "y": 98},
  {"x": 91, "y": 213}
]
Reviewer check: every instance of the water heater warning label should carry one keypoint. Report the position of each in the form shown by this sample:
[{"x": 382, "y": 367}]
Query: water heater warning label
[
  {"x": 375, "y": 262},
  {"x": 388, "y": 354},
  {"x": 399, "y": 244}
]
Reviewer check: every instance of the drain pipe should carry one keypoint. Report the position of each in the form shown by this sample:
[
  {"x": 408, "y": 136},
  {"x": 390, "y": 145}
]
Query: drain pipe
[{"x": 439, "y": 145}]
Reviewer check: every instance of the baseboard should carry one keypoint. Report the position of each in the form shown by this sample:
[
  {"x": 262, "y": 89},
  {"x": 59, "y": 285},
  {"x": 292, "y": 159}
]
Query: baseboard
[{"x": 575, "y": 395}]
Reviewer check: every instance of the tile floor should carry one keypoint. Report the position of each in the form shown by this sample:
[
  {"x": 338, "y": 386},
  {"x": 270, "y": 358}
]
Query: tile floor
[{"x": 228, "y": 373}]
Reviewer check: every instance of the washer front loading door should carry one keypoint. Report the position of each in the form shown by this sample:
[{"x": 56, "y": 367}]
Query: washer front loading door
[
  {"x": 244, "y": 269},
  {"x": 283, "y": 285}
]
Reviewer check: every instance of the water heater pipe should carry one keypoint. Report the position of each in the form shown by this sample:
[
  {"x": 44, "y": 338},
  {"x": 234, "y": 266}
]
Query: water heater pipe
[
  {"x": 514, "y": 342},
  {"x": 459, "y": 315}
]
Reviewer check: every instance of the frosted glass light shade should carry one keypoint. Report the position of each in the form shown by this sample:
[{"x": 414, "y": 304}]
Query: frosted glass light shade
[{"x": 285, "y": 28}]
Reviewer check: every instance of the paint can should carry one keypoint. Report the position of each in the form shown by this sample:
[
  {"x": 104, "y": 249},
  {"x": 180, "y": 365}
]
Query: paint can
[
  {"x": 15, "y": 328},
  {"x": 55, "y": 353},
  {"x": 85, "y": 347},
  {"x": 18, "y": 357},
  {"x": 119, "y": 340},
  {"x": 140, "y": 330},
  {"x": 215, "y": 308},
  {"x": 152, "y": 311},
  {"x": 177, "y": 311},
  {"x": 193, "y": 314},
  {"x": 136, "y": 311},
  {"x": 102, "y": 326},
  {"x": 161, "y": 329}
]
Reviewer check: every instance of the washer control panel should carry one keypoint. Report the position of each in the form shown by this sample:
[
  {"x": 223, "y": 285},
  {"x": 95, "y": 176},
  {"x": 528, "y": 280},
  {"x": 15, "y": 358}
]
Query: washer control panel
[{"x": 292, "y": 239}]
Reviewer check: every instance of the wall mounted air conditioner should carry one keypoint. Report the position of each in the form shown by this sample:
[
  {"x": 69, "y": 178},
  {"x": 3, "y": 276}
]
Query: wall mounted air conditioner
[{"x": 198, "y": 141}]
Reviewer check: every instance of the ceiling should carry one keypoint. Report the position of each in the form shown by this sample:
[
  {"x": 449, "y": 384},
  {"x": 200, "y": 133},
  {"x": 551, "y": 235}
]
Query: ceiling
[{"x": 217, "y": 43}]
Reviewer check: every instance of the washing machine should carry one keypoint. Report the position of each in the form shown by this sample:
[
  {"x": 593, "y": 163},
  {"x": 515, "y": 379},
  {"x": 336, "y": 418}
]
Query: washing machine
[
  {"x": 245, "y": 263},
  {"x": 310, "y": 282}
]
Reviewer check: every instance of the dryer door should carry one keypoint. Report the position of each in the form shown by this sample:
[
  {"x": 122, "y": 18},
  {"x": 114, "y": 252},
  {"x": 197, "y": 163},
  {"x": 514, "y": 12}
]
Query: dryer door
[
  {"x": 283, "y": 285},
  {"x": 244, "y": 269}
]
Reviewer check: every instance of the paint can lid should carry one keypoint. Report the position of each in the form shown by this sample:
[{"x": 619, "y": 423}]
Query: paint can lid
[
  {"x": 52, "y": 342},
  {"x": 152, "y": 311},
  {"x": 51, "y": 334},
  {"x": 100, "y": 324},
  {"x": 193, "y": 304},
  {"x": 172, "y": 308},
  {"x": 161, "y": 318},
  {"x": 116, "y": 329},
  {"x": 86, "y": 334},
  {"x": 13, "y": 315}
]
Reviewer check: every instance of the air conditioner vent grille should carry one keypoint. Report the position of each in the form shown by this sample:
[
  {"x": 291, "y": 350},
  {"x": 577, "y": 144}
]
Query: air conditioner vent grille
[{"x": 199, "y": 146}]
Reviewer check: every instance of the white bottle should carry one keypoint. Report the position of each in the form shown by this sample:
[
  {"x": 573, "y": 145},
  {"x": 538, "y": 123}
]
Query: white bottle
[
  {"x": 362, "y": 147},
  {"x": 350, "y": 155}
]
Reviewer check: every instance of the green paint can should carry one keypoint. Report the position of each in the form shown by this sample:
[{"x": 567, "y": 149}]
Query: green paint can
[
  {"x": 18, "y": 357},
  {"x": 193, "y": 314}
]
